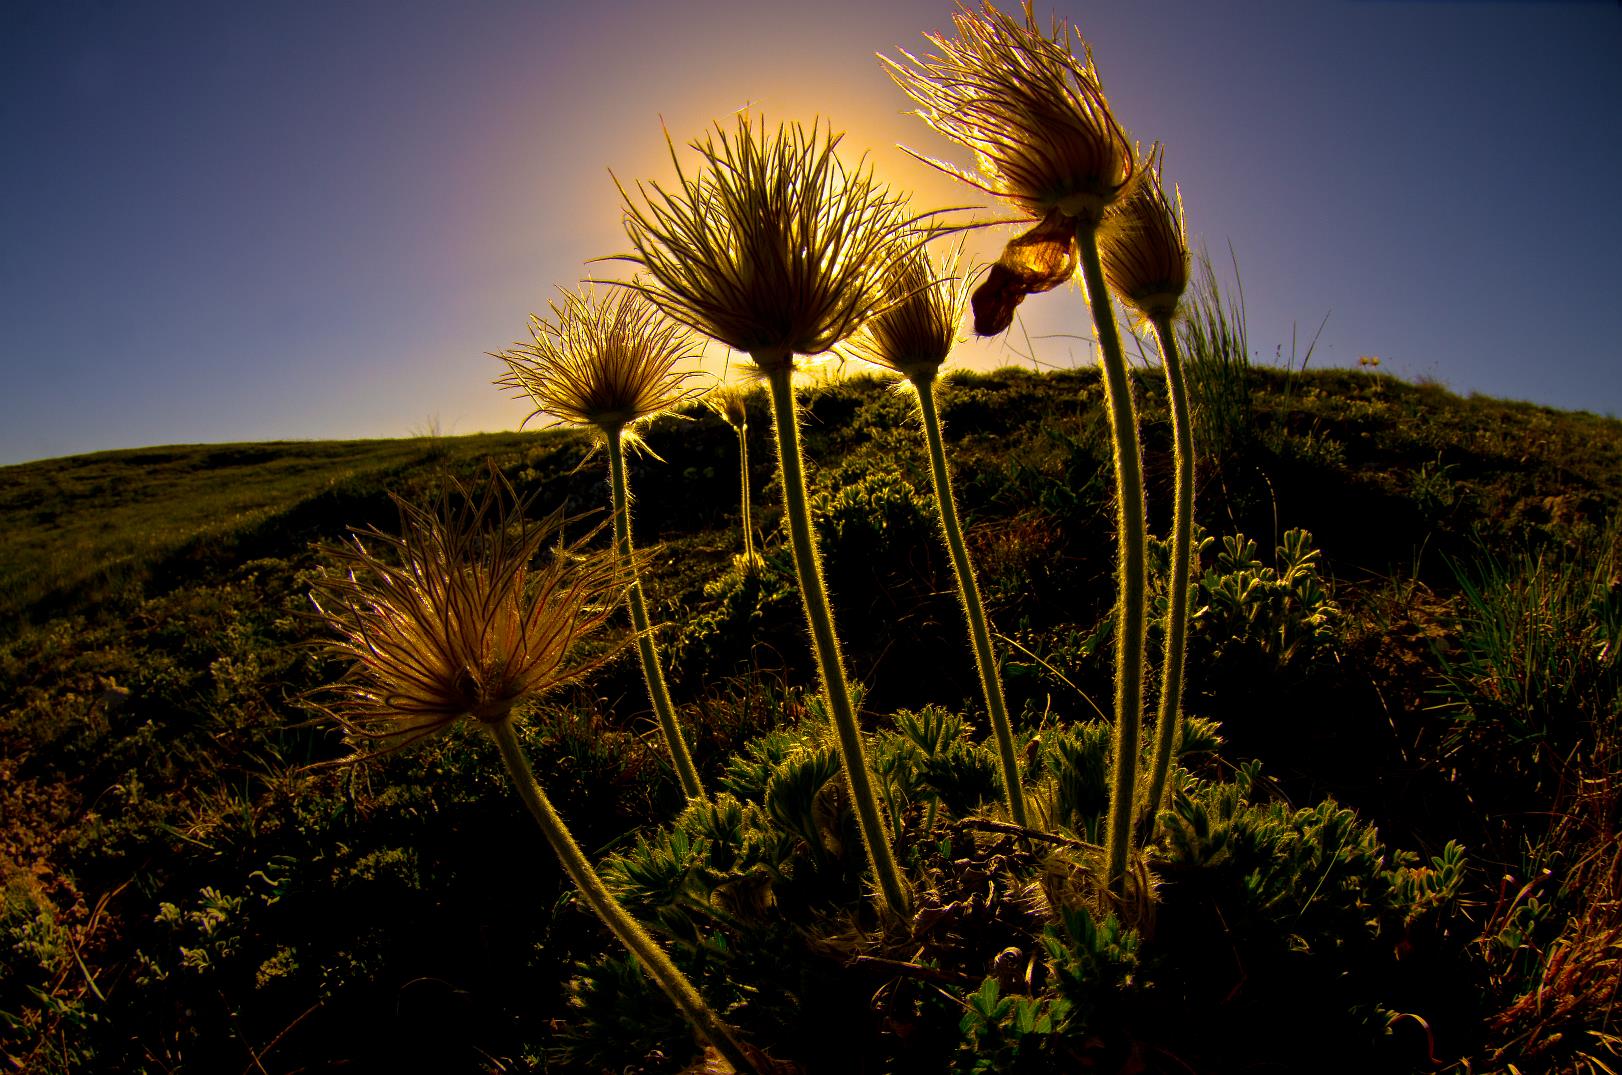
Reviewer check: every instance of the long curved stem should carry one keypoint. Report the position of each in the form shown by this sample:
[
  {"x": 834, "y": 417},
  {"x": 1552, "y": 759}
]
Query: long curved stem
[
  {"x": 968, "y": 591},
  {"x": 825, "y": 643},
  {"x": 652, "y": 670},
  {"x": 1130, "y": 529},
  {"x": 1168, "y": 727},
  {"x": 629, "y": 932}
]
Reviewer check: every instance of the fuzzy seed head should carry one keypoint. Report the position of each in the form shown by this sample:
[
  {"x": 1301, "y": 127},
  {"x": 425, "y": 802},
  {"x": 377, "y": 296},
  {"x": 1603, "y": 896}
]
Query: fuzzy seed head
[
  {"x": 451, "y": 620},
  {"x": 774, "y": 247},
  {"x": 1032, "y": 111},
  {"x": 730, "y": 402},
  {"x": 1143, "y": 243},
  {"x": 611, "y": 363},
  {"x": 918, "y": 328}
]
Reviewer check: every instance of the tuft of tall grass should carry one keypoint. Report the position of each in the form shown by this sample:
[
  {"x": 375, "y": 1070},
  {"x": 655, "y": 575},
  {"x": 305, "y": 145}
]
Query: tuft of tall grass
[
  {"x": 1216, "y": 358},
  {"x": 1537, "y": 677}
]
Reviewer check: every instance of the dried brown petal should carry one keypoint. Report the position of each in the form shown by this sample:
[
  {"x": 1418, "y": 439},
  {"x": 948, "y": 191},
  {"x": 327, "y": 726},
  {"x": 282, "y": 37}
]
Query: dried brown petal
[{"x": 1039, "y": 260}]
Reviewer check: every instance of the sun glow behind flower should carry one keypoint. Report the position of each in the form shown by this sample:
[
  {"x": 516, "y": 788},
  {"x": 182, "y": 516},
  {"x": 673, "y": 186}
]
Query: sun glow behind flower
[{"x": 299, "y": 220}]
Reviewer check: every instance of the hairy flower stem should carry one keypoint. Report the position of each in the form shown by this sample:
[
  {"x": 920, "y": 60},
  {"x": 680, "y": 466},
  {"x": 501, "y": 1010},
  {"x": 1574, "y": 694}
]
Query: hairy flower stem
[
  {"x": 968, "y": 592},
  {"x": 1169, "y": 726},
  {"x": 602, "y": 903},
  {"x": 652, "y": 670},
  {"x": 825, "y": 643},
  {"x": 743, "y": 467},
  {"x": 1130, "y": 535}
]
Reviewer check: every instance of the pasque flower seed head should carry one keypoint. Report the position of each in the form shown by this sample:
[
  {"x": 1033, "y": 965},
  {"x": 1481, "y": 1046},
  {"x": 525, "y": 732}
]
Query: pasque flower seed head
[
  {"x": 915, "y": 333},
  {"x": 450, "y": 619},
  {"x": 774, "y": 247},
  {"x": 1031, "y": 110},
  {"x": 611, "y": 363},
  {"x": 1144, "y": 243}
]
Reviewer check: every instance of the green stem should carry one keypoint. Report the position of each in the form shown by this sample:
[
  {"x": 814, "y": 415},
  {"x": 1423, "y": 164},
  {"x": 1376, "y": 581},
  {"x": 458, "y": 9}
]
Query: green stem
[
  {"x": 743, "y": 466},
  {"x": 603, "y": 904},
  {"x": 1169, "y": 726},
  {"x": 1130, "y": 537},
  {"x": 825, "y": 643},
  {"x": 968, "y": 591},
  {"x": 652, "y": 670}
]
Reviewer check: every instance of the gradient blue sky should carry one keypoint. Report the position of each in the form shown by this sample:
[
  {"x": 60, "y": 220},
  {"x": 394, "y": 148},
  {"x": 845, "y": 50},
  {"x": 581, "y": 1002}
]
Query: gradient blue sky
[{"x": 234, "y": 221}]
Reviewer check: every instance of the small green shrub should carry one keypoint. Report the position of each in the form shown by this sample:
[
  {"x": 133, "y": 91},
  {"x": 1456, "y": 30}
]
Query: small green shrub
[
  {"x": 873, "y": 525},
  {"x": 951, "y": 769},
  {"x": 751, "y": 616},
  {"x": 1079, "y": 760},
  {"x": 1276, "y": 616}
]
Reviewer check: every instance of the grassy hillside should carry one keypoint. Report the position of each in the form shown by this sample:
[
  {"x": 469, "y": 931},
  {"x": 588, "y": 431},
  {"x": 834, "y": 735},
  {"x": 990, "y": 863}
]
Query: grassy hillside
[{"x": 188, "y": 885}]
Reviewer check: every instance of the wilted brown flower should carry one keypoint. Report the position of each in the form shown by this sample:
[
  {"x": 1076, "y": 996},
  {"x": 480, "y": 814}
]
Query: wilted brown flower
[
  {"x": 1038, "y": 260},
  {"x": 609, "y": 363},
  {"x": 450, "y": 620},
  {"x": 916, "y": 332},
  {"x": 1143, "y": 243},
  {"x": 774, "y": 248},
  {"x": 1032, "y": 112}
]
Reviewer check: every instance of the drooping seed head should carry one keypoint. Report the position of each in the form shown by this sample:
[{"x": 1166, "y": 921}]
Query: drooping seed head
[
  {"x": 611, "y": 363},
  {"x": 1032, "y": 111},
  {"x": 1143, "y": 243},
  {"x": 916, "y": 331},
  {"x": 774, "y": 247},
  {"x": 730, "y": 402},
  {"x": 450, "y": 619}
]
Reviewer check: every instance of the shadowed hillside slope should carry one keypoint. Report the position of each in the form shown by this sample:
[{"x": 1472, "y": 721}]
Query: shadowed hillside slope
[{"x": 187, "y": 885}]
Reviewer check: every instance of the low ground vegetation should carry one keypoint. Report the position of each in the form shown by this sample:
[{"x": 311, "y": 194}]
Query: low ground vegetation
[{"x": 1393, "y": 847}]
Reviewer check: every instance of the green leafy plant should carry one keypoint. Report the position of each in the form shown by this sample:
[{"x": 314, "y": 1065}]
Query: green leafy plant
[{"x": 1280, "y": 615}]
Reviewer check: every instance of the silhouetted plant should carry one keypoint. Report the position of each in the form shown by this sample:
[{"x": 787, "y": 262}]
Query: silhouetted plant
[
  {"x": 776, "y": 249},
  {"x": 451, "y": 626},
  {"x": 1036, "y": 117},
  {"x": 614, "y": 365},
  {"x": 730, "y": 403},
  {"x": 914, "y": 337}
]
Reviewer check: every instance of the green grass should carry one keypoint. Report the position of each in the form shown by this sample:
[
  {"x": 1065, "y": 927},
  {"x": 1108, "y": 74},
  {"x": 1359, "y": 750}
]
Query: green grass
[{"x": 79, "y": 530}]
